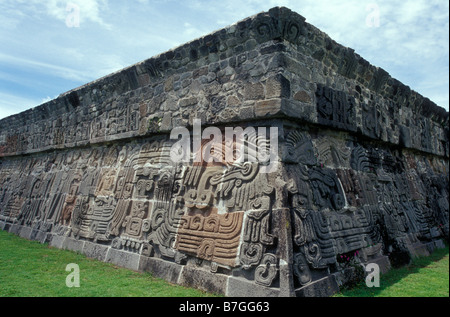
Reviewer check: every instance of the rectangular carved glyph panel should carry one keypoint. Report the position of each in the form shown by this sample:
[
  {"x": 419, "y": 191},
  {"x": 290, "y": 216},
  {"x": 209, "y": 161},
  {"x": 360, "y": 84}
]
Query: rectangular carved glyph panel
[{"x": 214, "y": 237}]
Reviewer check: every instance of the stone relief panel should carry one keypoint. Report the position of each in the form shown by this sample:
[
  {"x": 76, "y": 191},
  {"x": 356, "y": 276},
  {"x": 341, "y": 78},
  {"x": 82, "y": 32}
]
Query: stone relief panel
[
  {"x": 132, "y": 197},
  {"x": 345, "y": 196},
  {"x": 228, "y": 217},
  {"x": 214, "y": 237}
]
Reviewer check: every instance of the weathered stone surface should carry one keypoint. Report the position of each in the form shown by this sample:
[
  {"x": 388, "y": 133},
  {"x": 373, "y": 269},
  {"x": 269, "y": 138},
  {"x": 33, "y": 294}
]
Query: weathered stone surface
[
  {"x": 239, "y": 287},
  {"x": 278, "y": 87},
  {"x": 323, "y": 287},
  {"x": 268, "y": 108},
  {"x": 202, "y": 279},
  {"x": 302, "y": 96},
  {"x": 95, "y": 251},
  {"x": 56, "y": 241},
  {"x": 73, "y": 244},
  {"x": 123, "y": 258},
  {"x": 168, "y": 271},
  {"x": 25, "y": 232},
  {"x": 361, "y": 173}
]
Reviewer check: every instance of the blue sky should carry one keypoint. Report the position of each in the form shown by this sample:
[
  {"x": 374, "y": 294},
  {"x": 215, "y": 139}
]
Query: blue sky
[{"x": 51, "y": 46}]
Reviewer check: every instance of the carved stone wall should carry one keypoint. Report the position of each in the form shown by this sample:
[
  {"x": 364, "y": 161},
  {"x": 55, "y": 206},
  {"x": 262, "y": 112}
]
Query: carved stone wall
[{"x": 362, "y": 165}]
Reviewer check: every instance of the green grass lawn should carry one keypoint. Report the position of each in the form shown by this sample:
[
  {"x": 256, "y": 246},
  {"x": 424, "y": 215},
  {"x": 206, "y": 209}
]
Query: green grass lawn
[
  {"x": 424, "y": 277},
  {"x": 30, "y": 269}
]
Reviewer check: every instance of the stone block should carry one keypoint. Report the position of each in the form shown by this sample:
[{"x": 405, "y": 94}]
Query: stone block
[
  {"x": 186, "y": 102},
  {"x": 299, "y": 110},
  {"x": 56, "y": 241},
  {"x": 323, "y": 287},
  {"x": 123, "y": 258},
  {"x": 254, "y": 91},
  {"x": 299, "y": 69},
  {"x": 41, "y": 236},
  {"x": 95, "y": 251},
  {"x": 7, "y": 226},
  {"x": 268, "y": 108},
  {"x": 383, "y": 263},
  {"x": 25, "y": 232},
  {"x": 278, "y": 86},
  {"x": 168, "y": 271},
  {"x": 405, "y": 136},
  {"x": 302, "y": 96},
  {"x": 241, "y": 287},
  {"x": 362, "y": 160},
  {"x": 418, "y": 249},
  {"x": 73, "y": 245},
  {"x": 15, "y": 228},
  {"x": 439, "y": 244},
  {"x": 246, "y": 113}
]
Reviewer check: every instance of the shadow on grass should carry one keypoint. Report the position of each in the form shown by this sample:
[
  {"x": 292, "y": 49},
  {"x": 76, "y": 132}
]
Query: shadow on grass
[{"x": 395, "y": 275}]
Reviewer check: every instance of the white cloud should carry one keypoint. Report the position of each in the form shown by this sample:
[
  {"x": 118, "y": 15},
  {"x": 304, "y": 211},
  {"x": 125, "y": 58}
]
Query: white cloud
[
  {"x": 12, "y": 104},
  {"x": 89, "y": 10},
  {"x": 191, "y": 31}
]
